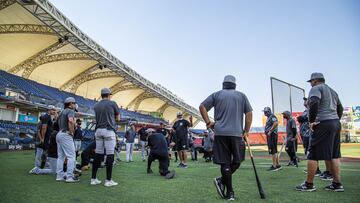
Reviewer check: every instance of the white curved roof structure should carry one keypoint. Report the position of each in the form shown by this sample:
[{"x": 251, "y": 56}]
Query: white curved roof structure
[{"x": 39, "y": 43}]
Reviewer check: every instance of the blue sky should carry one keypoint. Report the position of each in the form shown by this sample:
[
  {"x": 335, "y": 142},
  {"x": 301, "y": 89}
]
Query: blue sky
[{"x": 189, "y": 46}]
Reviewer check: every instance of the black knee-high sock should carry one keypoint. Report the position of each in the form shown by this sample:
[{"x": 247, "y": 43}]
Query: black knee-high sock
[
  {"x": 109, "y": 166},
  {"x": 294, "y": 158},
  {"x": 290, "y": 156},
  {"x": 176, "y": 156},
  {"x": 226, "y": 177},
  {"x": 96, "y": 164},
  {"x": 234, "y": 167}
]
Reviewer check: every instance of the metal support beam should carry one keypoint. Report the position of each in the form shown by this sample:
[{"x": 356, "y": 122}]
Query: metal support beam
[
  {"x": 197, "y": 121},
  {"x": 137, "y": 101},
  {"x": 26, "y": 29},
  {"x": 51, "y": 16},
  {"x": 163, "y": 108},
  {"x": 123, "y": 88},
  {"x": 53, "y": 58},
  {"x": 85, "y": 78},
  {"x": 37, "y": 57},
  {"x": 70, "y": 82},
  {"x": 6, "y": 3}
]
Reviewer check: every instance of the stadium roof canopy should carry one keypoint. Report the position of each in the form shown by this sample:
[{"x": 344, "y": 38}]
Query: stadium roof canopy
[{"x": 39, "y": 43}]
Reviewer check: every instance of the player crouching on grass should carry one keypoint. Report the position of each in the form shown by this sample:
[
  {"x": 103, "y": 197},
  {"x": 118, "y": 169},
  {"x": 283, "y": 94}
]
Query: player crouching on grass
[{"x": 159, "y": 150}]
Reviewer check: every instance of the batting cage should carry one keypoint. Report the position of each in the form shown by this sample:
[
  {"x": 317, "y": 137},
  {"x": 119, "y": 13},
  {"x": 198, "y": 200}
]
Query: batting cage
[{"x": 286, "y": 97}]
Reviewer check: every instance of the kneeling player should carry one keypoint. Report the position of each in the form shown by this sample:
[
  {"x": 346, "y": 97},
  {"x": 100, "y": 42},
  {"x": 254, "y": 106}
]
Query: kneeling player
[{"x": 158, "y": 150}]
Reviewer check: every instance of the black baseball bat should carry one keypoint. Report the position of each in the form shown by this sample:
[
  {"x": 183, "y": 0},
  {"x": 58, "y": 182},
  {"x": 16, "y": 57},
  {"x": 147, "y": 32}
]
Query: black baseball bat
[{"x": 261, "y": 191}]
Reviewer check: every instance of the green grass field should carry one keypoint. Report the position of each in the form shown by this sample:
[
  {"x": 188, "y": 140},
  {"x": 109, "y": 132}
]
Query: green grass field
[{"x": 190, "y": 185}]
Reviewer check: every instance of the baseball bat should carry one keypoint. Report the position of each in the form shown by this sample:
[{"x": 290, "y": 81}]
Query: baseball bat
[
  {"x": 261, "y": 191},
  {"x": 282, "y": 147}
]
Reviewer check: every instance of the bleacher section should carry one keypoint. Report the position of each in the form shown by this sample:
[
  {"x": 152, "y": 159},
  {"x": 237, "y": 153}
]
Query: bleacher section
[
  {"x": 55, "y": 96},
  {"x": 18, "y": 127}
]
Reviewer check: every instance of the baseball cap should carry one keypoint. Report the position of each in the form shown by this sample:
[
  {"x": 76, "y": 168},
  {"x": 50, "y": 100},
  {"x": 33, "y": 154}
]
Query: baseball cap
[
  {"x": 149, "y": 130},
  {"x": 51, "y": 107},
  {"x": 316, "y": 76},
  {"x": 286, "y": 113},
  {"x": 179, "y": 114},
  {"x": 230, "y": 78},
  {"x": 267, "y": 109},
  {"x": 69, "y": 100},
  {"x": 105, "y": 91}
]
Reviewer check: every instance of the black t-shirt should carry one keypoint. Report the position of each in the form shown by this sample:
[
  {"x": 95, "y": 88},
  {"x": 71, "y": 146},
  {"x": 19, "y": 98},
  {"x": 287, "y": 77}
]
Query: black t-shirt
[
  {"x": 143, "y": 134},
  {"x": 158, "y": 144},
  {"x": 46, "y": 120},
  {"x": 52, "y": 151},
  {"x": 78, "y": 134},
  {"x": 181, "y": 128},
  {"x": 162, "y": 131}
]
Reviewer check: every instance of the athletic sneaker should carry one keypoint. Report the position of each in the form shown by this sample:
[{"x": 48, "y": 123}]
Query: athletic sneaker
[
  {"x": 110, "y": 183},
  {"x": 220, "y": 188},
  {"x": 318, "y": 173},
  {"x": 335, "y": 187},
  {"x": 72, "y": 180},
  {"x": 149, "y": 171},
  {"x": 290, "y": 163},
  {"x": 184, "y": 166},
  {"x": 170, "y": 175},
  {"x": 272, "y": 168},
  {"x": 278, "y": 167},
  {"x": 85, "y": 168},
  {"x": 78, "y": 170},
  {"x": 306, "y": 187},
  {"x": 60, "y": 178},
  {"x": 327, "y": 177},
  {"x": 33, "y": 171},
  {"x": 230, "y": 196},
  {"x": 324, "y": 174},
  {"x": 95, "y": 181}
]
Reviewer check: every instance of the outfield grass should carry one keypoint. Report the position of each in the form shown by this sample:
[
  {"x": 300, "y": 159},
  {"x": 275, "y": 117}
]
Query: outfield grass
[{"x": 190, "y": 185}]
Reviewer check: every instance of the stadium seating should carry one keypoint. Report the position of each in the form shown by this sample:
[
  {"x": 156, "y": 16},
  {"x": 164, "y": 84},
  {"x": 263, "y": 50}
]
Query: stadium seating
[
  {"x": 19, "y": 127},
  {"x": 23, "y": 84},
  {"x": 52, "y": 94}
]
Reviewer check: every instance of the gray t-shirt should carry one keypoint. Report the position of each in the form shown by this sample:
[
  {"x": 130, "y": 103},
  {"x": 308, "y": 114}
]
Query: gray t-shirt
[
  {"x": 130, "y": 136},
  {"x": 230, "y": 107},
  {"x": 105, "y": 111},
  {"x": 290, "y": 125},
  {"x": 270, "y": 122},
  {"x": 63, "y": 119},
  {"x": 328, "y": 102}
]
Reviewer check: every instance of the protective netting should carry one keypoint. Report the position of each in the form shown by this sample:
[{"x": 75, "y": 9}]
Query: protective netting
[{"x": 286, "y": 97}]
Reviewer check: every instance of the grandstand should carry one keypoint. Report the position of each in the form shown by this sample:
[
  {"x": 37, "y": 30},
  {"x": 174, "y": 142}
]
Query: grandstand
[{"x": 46, "y": 58}]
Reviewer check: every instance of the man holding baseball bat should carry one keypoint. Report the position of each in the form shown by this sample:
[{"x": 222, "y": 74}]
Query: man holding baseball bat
[{"x": 229, "y": 147}]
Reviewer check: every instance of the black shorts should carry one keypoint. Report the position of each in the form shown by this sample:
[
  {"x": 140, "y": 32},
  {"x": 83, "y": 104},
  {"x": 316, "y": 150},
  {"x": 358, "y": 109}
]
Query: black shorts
[
  {"x": 324, "y": 142},
  {"x": 272, "y": 143},
  {"x": 182, "y": 144},
  {"x": 290, "y": 146},
  {"x": 228, "y": 149}
]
